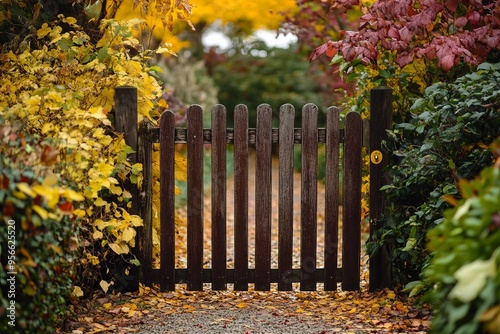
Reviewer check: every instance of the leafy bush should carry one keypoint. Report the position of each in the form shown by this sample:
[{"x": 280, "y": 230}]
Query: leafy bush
[
  {"x": 444, "y": 141},
  {"x": 465, "y": 269},
  {"x": 38, "y": 235},
  {"x": 64, "y": 90}
]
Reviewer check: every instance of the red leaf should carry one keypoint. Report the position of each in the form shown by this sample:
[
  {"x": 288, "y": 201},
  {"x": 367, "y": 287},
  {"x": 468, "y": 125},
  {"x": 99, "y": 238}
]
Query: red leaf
[
  {"x": 404, "y": 59},
  {"x": 474, "y": 18},
  {"x": 8, "y": 209},
  {"x": 331, "y": 50},
  {"x": 66, "y": 207},
  {"x": 318, "y": 51},
  {"x": 49, "y": 155},
  {"x": 405, "y": 34},
  {"x": 447, "y": 62}
]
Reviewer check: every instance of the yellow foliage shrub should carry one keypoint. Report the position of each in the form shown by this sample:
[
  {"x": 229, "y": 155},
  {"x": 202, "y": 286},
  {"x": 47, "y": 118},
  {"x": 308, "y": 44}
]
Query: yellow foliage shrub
[{"x": 63, "y": 89}]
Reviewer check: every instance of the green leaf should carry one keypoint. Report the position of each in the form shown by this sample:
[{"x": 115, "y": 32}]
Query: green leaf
[
  {"x": 103, "y": 54},
  {"x": 336, "y": 59},
  {"x": 135, "y": 262}
]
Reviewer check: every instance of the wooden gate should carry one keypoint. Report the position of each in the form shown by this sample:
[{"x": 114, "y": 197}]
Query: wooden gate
[{"x": 350, "y": 137}]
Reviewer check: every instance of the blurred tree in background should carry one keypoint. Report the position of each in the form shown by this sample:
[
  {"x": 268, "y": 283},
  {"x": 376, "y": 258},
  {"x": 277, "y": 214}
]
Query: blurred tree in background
[{"x": 260, "y": 74}]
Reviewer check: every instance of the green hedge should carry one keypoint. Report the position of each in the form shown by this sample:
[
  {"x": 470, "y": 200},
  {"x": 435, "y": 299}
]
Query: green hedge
[
  {"x": 465, "y": 270},
  {"x": 38, "y": 237},
  {"x": 446, "y": 139}
]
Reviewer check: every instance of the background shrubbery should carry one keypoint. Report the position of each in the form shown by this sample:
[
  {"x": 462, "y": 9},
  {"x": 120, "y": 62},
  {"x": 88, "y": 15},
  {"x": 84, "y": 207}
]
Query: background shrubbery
[
  {"x": 445, "y": 140},
  {"x": 465, "y": 271}
]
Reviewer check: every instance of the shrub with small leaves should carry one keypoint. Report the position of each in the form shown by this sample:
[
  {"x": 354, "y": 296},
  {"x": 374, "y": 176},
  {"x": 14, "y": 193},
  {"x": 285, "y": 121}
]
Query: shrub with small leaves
[
  {"x": 445, "y": 140},
  {"x": 465, "y": 270},
  {"x": 38, "y": 234}
]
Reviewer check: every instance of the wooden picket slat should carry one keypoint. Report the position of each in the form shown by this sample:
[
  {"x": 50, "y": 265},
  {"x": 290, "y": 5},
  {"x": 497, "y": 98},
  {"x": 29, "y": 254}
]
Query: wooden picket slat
[
  {"x": 263, "y": 198},
  {"x": 308, "y": 198},
  {"x": 241, "y": 198},
  {"x": 332, "y": 197},
  {"x": 167, "y": 203},
  {"x": 381, "y": 113},
  {"x": 219, "y": 241},
  {"x": 285, "y": 213},
  {"x": 195, "y": 198},
  {"x": 144, "y": 235},
  {"x": 351, "y": 208}
]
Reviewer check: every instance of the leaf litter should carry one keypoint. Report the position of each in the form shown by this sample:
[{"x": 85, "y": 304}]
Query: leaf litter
[{"x": 384, "y": 311}]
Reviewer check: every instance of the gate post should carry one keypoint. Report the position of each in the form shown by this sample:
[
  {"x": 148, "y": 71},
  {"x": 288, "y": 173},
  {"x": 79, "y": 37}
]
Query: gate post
[
  {"x": 380, "y": 121},
  {"x": 126, "y": 116}
]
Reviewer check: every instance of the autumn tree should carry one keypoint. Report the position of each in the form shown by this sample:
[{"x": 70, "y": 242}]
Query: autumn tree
[
  {"x": 236, "y": 18},
  {"x": 447, "y": 32},
  {"x": 63, "y": 167}
]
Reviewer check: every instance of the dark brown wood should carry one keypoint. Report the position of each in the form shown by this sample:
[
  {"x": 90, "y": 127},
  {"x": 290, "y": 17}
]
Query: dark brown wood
[
  {"x": 181, "y": 135},
  {"x": 351, "y": 208},
  {"x": 181, "y": 275},
  {"x": 332, "y": 197},
  {"x": 195, "y": 198},
  {"x": 126, "y": 118},
  {"x": 144, "y": 237},
  {"x": 241, "y": 198},
  {"x": 219, "y": 198},
  {"x": 285, "y": 212},
  {"x": 263, "y": 198},
  {"x": 309, "y": 198},
  {"x": 167, "y": 203},
  {"x": 381, "y": 120}
]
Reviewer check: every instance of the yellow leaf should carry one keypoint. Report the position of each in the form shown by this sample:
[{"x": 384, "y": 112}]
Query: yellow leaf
[
  {"x": 115, "y": 190},
  {"x": 43, "y": 31},
  {"x": 136, "y": 220},
  {"x": 69, "y": 20},
  {"x": 106, "y": 305},
  {"x": 177, "y": 190},
  {"x": 25, "y": 188},
  {"x": 34, "y": 100},
  {"x": 47, "y": 127},
  {"x": 97, "y": 235},
  {"x": 119, "y": 248},
  {"x": 104, "y": 285},
  {"x": 51, "y": 195},
  {"x": 128, "y": 234},
  {"x": 19, "y": 195},
  {"x": 105, "y": 169},
  {"x": 72, "y": 195},
  {"x": 77, "y": 291},
  {"x": 50, "y": 180},
  {"x": 241, "y": 305},
  {"x": 112, "y": 180},
  {"x": 101, "y": 224},
  {"x": 41, "y": 212},
  {"x": 100, "y": 202},
  {"x": 180, "y": 167},
  {"x": 79, "y": 213},
  {"x": 162, "y": 103}
]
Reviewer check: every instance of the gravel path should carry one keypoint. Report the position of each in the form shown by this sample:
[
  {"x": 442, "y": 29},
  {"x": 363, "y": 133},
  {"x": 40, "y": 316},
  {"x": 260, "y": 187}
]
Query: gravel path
[{"x": 233, "y": 321}]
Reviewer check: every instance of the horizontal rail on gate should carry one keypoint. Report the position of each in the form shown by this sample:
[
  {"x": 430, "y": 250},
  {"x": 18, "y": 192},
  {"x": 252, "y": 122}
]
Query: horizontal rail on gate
[{"x": 181, "y": 135}]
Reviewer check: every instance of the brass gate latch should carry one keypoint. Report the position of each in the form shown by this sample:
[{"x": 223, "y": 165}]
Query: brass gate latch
[{"x": 376, "y": 157}]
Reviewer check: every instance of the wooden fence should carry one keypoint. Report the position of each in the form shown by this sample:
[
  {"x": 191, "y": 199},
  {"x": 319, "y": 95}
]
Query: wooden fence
[{"x": 354, "y": 134}]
